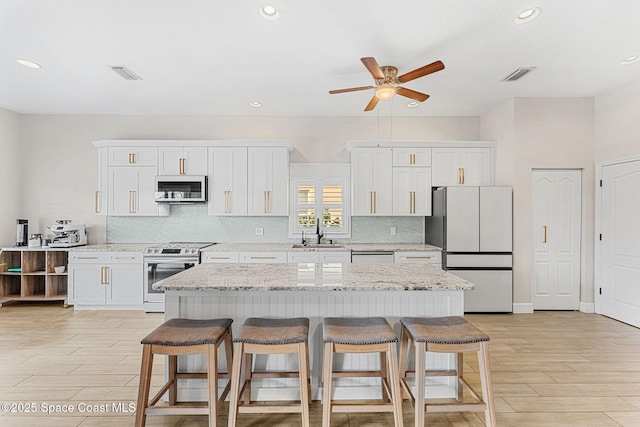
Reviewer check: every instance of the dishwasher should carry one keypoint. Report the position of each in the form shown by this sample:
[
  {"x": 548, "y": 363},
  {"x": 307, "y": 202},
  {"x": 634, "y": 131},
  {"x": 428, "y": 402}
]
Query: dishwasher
[{"x": 372, "y": 257}]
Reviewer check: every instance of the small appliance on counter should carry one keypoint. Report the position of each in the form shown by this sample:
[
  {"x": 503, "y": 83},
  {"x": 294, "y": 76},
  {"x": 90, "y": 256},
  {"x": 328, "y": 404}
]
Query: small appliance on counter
[
  {"x": 35, "y": 241},
  {"x": 22, "y": 232},
  {"x": 67, "y": 235}
]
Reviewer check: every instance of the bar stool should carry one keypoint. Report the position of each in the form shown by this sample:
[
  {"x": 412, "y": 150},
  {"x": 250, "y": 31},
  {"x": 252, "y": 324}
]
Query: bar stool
[
  {"x": 361, "y": 335},
  {"x": 451, "y": 334},
  {"x": 180, "y": 337},
  {"x": 269, "y": 336}
]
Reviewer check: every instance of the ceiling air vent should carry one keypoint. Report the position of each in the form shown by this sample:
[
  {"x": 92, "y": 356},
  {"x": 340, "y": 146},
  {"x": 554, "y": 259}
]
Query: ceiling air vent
[
  {"x": 124, "y": 72},
  {"x": 517, "y": 74}
]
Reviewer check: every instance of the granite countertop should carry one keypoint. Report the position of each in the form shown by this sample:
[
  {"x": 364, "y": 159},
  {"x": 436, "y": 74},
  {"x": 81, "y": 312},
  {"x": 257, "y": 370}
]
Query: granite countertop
[
  {"x": 112, "y": 247},
  {"x": 288, "y": 247},
  {"x": 314, "y": 277}
]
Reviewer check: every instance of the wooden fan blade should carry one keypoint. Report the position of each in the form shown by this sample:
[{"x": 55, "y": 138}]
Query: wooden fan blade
[
  {"x": 352, "y": 89},
  {"x": 417, "y": 96},
  {"x": 372, "y": 104},
  {"x": 373, "y": 67},
  {"x": 422, "y": 71}
]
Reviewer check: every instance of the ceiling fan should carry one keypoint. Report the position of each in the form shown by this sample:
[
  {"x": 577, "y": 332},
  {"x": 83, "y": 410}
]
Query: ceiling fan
[{"x": 388, "y": 82}]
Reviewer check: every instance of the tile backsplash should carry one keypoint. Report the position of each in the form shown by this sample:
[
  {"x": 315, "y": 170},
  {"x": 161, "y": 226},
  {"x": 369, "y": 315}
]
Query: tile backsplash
[{"x": 191, "y": 223}]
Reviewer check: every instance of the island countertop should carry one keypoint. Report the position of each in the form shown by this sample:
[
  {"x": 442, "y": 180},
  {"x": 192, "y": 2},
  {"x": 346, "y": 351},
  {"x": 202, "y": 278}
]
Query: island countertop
[{"x": 314, "y": 277}]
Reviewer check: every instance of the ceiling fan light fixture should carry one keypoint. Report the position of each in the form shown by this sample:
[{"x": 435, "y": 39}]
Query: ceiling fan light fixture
[
  {"x": 269, "y": 12},
  {"x": 385, "y": 91},
  {"x": 29, "y": 64},
  {"x": 528, "y": 15},
  {"x": 630, "y": 60}
]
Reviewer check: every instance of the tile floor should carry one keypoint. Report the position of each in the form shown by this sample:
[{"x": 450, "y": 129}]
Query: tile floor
[{"x": 549, "y": 369}]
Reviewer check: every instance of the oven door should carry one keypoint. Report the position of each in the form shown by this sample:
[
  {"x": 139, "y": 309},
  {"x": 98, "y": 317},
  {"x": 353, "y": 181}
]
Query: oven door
[{"x": 159, "y": 268}]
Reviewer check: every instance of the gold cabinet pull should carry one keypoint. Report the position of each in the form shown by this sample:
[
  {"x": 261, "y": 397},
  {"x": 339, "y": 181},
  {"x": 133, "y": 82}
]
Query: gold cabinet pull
[
  {"x": 268, "y": 201},
  {"x": 132, "y": 158},
  {"x": 264, "y": 201},
  {"x": 229, "y": 201},
  {"x": 104, "y": 276},
  {"x": 459, "y": 176},
  {"x": 182, "y": 166},
  {"x": 97, "y": 202},
  {"x": 462, "y": 169},
  {"x": 370, "y": 201},
  {"x": 375, "y": 202},
  {"x": 544, "y": 234}
]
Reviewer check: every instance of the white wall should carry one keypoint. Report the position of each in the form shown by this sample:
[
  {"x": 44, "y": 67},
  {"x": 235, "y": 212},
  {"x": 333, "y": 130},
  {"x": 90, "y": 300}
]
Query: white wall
[
  {"x": 63, "y": 179},
  {"x": 543, "y": 133},
  {"x": 617, "y": 124},
  {"x": 10, "y": 177}
]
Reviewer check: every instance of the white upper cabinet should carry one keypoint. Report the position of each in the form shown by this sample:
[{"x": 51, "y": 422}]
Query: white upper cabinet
[
  {"x": 228, "y": 181},
  {"x": 268, "y": 181},
  {"x": 418, "y": 156},
  {"x": 182, "y": 161},
  {"x": 412, "y": 191},
  {"x": 133, "y": 156},
  {"x": 462, "y": 166},
  {"x": 371, "y": 178},
  {"x": 131, "y": 191}
]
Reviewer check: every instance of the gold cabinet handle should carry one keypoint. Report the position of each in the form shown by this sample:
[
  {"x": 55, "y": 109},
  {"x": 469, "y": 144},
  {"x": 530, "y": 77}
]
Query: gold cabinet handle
[
  {"x": 182, "y": 166},
  {"x": 229, "y": 201},
  {"x": 459, "y": 176},
  {"x": 97, "y": 202},
  {"x": 264, "y": 201},
  {"x": 544, "y": 234},
  {"x": 418, "y": 257},
  {"x": 370, "y": 201},
  {"x": 132, "y": 158},
  {"x": 225, "y": 202},
  {"x": 462, "y": 175},
  {"x": 130, "y": 211},
  {"x": 104, "y": 276},
  {"x": 375, "y": 202},
  {"x": 269, "y": 200}
]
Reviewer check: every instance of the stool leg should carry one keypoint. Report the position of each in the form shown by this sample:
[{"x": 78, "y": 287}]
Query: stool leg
[
  {"x": 248, "y": 373},
  {"x": 420, "y": 371},
  {"x": 236, "y": 371},
  {"x": 306, "y": 349},
  {"x": 303, "y": 373},
  {"x": 394, "y": 380},
  {"x": 173, "y": 388},
  {"x": 212, "y": 382},
  {"x": 487, "y": 387},
  {"x": 384, "y": 376},
  {"x": 327, "y": 374},
  {"x": 228, "y": 348},
  {"x": 402, "y": 364},
  {"x": 145, "y": 383},
  {"x": 460, "y": 371}
]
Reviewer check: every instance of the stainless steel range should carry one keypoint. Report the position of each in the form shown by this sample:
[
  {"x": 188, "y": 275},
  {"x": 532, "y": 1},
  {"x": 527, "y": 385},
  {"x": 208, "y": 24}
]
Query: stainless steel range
[{"x": 164, "y": 260}]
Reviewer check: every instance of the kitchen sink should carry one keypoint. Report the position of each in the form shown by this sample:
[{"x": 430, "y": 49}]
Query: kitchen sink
[{"x": 315, "y": 246}]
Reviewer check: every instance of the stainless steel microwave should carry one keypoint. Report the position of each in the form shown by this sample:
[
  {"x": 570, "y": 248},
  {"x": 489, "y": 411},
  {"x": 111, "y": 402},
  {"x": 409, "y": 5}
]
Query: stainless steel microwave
[{"x": 181, "y": 189}]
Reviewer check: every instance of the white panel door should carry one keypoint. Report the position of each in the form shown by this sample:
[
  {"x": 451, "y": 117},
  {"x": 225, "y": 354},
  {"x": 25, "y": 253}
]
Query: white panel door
[
  {"x": 476, "y": 166},
  {"x": 556, "y": 205},
  {"x": 618, "y": 294},
  {"x": 228, "y": 181}
]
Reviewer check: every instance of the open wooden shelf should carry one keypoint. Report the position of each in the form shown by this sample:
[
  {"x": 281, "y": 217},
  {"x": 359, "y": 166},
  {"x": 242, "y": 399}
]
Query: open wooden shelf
[{"x": 37, "y": 280}]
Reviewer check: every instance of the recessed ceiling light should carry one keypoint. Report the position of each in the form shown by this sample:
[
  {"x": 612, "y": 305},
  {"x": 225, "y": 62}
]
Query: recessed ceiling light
[
  {"x": 528, "y": 15},
  {"x": 28, "y": 64},
  {"x": 269, "y": 12},
  {"x": 255, "y": 104},
  {"x": 413, "y": 104},
  {"x": 630, "y": 60}
]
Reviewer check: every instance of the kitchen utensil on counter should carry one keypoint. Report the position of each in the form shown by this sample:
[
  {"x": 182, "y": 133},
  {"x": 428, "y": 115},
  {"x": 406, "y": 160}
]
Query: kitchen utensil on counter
[
  {"x": 22, "y": 232},
  {"x": 35, "y": 240}
]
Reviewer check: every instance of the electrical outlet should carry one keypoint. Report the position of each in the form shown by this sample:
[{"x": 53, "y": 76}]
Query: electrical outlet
[
  {"x": 394, "y": 231},
  {"x": 259, "y": 231}
]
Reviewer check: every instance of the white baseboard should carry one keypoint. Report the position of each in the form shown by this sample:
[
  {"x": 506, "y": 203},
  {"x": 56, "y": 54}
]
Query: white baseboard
[
  {"x": 522, "y": 308},
  {"x": 587, "y": 307}
]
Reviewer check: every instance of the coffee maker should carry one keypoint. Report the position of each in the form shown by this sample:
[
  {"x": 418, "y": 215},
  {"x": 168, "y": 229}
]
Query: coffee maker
[
  {"x": 22, "y": 232},
  {"x": 68, "y": 235}
]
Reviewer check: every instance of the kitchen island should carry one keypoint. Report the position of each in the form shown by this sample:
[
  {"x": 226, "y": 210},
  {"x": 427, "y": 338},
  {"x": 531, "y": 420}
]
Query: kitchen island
[{"x": 314, "y": 290}]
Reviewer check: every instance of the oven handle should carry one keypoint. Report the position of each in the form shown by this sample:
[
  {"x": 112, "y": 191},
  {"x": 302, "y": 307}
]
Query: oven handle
[{"x": 172, "y": 260}]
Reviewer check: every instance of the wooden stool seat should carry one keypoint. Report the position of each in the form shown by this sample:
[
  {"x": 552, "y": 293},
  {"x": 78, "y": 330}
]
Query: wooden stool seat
[
  {"x": 269, "y": 336},
  {"x": 361, "y": 335},
  {"x": 180, "y": 337},
  {"x": 451, "y": 334}
]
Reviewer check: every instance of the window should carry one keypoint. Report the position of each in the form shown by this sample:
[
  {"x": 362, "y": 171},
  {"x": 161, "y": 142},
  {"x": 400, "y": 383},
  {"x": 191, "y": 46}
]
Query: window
[{"x": 320, "y": 193}]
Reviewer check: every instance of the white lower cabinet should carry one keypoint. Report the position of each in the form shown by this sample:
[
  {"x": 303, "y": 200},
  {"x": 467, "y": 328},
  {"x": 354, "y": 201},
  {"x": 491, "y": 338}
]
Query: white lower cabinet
[
  {"x": 218, "y": 257},
  {"x": 419, "y": 257},
  {"x": 319, "y": 256},
  {"x": 109, "y": 280},
  {"x": 262, "y": 257}
]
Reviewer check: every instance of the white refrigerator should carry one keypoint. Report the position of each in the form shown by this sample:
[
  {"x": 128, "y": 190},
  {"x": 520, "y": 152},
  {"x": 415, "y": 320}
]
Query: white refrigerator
[{"x": 474, "y": 227}]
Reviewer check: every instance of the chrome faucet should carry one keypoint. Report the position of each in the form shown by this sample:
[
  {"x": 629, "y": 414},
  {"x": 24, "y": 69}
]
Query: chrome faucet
[
  {"x": 303, "y": 241},
  {"x": 319, "y": 234}
]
